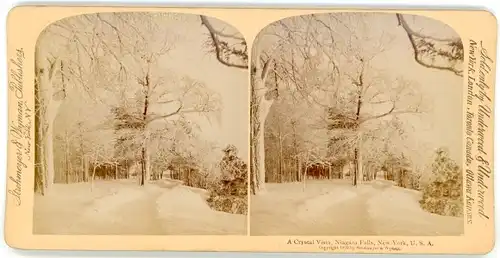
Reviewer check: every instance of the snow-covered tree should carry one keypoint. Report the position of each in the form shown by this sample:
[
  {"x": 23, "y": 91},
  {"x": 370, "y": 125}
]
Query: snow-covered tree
[{"x": 443, "y": 190}]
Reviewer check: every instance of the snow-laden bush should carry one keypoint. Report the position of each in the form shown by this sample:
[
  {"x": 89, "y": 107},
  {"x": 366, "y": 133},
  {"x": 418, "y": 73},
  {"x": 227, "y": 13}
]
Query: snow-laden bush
[
  {"x": 229, "y": 194},
  {"x": 442, "y": 193}
]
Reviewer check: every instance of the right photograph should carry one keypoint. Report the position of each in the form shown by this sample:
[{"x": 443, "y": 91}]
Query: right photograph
[{"x": 357, "y": 127}]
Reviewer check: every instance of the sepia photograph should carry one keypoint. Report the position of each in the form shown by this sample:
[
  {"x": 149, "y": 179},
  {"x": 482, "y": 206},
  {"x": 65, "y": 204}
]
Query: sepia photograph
[
  {"x": 356, "y": 127},
  {"x": 226, "y": 129},
  {"x": 141, "y": 126}
]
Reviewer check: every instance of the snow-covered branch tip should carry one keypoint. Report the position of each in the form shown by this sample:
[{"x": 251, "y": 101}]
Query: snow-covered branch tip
[
  {"x": 214, "y": 34},
  {"x": 417, "y": 53}
]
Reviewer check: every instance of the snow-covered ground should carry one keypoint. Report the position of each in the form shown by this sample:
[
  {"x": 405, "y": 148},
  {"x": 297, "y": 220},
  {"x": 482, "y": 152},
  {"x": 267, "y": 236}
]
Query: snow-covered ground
[
  {"x": 181, "y": 204},
  {"x": 335, "y": 207},
  {"x": 123, "y": 207},
  {"x": 396, "y": 211},
  {"x": 325, "y": 207}
]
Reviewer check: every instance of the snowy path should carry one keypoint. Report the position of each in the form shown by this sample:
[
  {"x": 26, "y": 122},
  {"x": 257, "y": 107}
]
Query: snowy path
[
  {"x": 125, "y": 208},
  {"x": 136, "y": 216},
  {"x": 337, "y": 208}
]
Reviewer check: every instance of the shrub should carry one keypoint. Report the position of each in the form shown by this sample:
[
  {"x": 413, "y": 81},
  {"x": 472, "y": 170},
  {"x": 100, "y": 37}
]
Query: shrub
[
  {"x": 229, "y": 196},
  {"x": 443, "y": 193}
]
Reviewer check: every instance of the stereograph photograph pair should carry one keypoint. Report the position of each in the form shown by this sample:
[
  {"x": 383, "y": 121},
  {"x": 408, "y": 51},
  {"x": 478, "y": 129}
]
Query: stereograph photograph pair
[{"x": 275, "y": 130}]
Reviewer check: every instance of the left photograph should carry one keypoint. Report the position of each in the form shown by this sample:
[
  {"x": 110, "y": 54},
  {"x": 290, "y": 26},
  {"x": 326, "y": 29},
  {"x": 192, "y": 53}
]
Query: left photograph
[{"x": 141, "y": 126}]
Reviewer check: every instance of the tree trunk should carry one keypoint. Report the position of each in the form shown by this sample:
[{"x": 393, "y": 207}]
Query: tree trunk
[
  {"x": 42, "y": 74},
  {"x": 261, "y": 153},
  {"x": 401, "y": 177},
  {"x": 142, "y": 176},
  {"x": 260, "y": 105},
  {"x": 280, "y": 170},
  {"x": 52, "y": 109},
  {"x": 253, "y": 161},
  {"x": 82, "y": 157},
  {"x": 299, "y": 170},
  {"x": 263, "y": 110},
  {"x": 49, "y": 156},
  {"x": 66, "y": 157},
  {"x": 40, "y": 172},
  {"x": 144, "y": 165},
  {"x": 93, "y": 177},
  {"x": 83, "y": 168},
  {"x": 304, "y": 177},
  {"x": 360, "y": 161},
  {"x": 356, "y": 167},
  {"x": 148, "y": 163},
  {"x": 357, "y": 159},
  {"x": 87, "y": 168},
  {"x": 297, "y": 173},
  {"x": 93, "y": 170}
]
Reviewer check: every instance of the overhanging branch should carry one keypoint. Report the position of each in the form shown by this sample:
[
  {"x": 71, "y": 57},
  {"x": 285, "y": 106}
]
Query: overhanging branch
[
  {"x": 218, "y": 51},
  {"x": 411, "y": 37}
]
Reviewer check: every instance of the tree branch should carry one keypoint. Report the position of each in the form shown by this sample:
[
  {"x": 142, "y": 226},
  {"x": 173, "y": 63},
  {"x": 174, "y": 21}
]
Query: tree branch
[
  {"x": 391, "y": 112},
  {"x": 406, "y": 27},
  {"x": 381, "y": 115},
  {"x": 232, "y": 36},
  {"x": 218, "y": 51},
  {"x": 177, "y": 111},
  {"x": 411, "y": 34},
  {"x": 53, "y": 68},
  {"x": 166, "y": 101}
]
